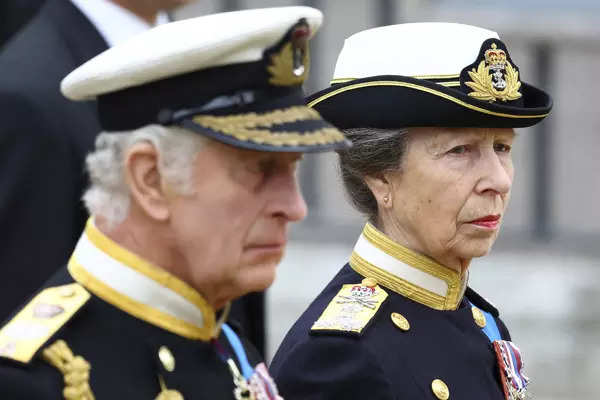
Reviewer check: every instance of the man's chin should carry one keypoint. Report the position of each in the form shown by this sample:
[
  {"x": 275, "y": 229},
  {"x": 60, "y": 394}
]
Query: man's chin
[{"x": 258, "y": 277}]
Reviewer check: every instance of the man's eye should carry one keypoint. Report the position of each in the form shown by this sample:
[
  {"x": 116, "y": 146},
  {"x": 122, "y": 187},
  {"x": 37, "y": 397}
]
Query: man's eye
[
  {"x": 462, "y": 149},
  {"x": 502, "y": 148},
  {"x": 267, "y": 167},
  {"x": 254, "y": 168}
]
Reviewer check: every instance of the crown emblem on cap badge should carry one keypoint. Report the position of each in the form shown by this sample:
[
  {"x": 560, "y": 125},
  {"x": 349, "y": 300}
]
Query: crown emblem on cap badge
[
  {"x": 289, "y": 65},
  {"x": 495, "y": 78}
]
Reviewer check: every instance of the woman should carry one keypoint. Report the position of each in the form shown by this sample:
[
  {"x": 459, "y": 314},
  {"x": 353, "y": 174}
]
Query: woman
[{"x": 430, "y": 109}]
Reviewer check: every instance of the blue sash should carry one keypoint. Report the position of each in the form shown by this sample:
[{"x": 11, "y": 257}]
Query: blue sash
[
  {"x": 491, "y": 328},
  {"x": 514, "y": 382},
  {"x": 240, "y": 353}
]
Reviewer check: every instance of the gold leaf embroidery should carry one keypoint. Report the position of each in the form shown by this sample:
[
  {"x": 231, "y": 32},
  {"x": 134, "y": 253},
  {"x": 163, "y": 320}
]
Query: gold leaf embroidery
[
  {"x": 282, "y": 67},
  {"x": 483, "y": 88},
  {"x": 247, "y": 127}
]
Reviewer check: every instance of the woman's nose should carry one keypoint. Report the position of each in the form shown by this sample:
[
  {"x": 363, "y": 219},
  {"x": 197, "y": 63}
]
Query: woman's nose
[{"x": 496, "y": 176}]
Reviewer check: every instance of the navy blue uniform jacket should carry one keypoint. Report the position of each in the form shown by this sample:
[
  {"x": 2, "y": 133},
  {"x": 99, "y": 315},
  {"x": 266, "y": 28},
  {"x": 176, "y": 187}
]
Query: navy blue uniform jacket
[{"x": 385, "y": 362}]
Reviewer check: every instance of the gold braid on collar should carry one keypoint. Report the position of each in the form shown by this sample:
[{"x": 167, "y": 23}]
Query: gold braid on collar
[{"x": 363, "y": 262}]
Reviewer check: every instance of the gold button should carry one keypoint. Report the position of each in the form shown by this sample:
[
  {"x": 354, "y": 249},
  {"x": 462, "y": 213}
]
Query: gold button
[
  {"x": 370, "y": 282},
  {"x": 400, "y": 321},
  {"x": 440, "y": 389},
  {"x": 166, "y": 358},
  {"x": 478, "y": 317},
  {"x": 67, "y": 292}
]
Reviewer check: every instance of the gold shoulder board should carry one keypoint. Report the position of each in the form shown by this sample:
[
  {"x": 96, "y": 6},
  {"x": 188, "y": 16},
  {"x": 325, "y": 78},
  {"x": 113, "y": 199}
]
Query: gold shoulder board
[
  {"x": 27, "y": 332},
  {"x": 352, "y": 308}
]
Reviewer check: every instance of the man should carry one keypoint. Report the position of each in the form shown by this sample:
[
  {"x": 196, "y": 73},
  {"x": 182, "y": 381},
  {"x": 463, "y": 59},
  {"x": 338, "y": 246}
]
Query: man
[
  {"x": 430, "y": 109},
  {"x": 35, "y": 138},
  {"x": 16, "y": 15},
  {"x": 193, "y": 185}
]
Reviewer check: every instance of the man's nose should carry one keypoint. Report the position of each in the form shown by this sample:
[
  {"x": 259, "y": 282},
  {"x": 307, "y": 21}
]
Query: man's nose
[{"x": 288, "y": 201}]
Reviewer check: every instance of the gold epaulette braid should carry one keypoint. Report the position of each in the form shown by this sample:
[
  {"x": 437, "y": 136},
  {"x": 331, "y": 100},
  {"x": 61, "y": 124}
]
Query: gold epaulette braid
[{"x": 75, "y": 369}]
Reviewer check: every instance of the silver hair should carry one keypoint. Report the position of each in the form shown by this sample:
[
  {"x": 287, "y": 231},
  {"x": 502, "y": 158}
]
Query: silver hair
[
  {"x": 373, "y": 152},
  {"x": 108, "y": 194}
]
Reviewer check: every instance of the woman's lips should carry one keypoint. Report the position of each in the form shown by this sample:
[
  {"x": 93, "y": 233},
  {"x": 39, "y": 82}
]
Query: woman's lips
[{"x": 489, "y": 221}]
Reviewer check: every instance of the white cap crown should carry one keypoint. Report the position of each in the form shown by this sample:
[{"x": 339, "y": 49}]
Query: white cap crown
[
  {"x": 416, "y": 50},
  {"x": 186, "y": 46}
]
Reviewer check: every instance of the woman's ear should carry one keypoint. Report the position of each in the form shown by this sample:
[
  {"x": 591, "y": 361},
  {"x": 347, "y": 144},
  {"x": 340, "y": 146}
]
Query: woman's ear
[
  {"x": 145, "y": 182},
  {"x": 381, "y": 188}
]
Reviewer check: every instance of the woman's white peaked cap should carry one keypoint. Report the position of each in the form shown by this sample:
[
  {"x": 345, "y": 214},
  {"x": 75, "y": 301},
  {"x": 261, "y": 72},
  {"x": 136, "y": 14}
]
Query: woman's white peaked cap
[{"x": 417, "y": 49}]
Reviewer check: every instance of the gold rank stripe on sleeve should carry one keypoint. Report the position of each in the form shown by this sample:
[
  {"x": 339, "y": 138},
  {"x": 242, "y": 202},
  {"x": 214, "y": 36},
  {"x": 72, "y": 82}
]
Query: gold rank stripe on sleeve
[
  {"x": 351, "y": 309},
  {"x": 41, "y": 318}
]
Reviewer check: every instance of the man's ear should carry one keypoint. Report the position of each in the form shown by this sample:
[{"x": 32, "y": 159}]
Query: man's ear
[
  {"x": 381, "y": 188},
  {"x": 145, "y": 182}
]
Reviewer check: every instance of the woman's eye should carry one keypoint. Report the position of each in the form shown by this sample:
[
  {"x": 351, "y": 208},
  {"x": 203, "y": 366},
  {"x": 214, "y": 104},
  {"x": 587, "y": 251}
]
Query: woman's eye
[
  {"x": 502, "y": 148},
  {"x": 459, "y": 150}
]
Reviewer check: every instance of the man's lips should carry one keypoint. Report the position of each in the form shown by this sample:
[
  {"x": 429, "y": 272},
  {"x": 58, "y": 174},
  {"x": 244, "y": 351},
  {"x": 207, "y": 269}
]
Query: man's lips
[
  {"x": 489, "y": 221},
  {"x": 271, "y": 245},
  {"x": 265, "y": 250}
]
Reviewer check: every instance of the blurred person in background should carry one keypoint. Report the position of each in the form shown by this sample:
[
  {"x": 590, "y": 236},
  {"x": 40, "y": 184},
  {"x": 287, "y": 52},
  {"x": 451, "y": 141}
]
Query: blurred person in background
[
  {"x": 193, "y": 187},
  {"x": 430, "y": 109},
  {"x": 15, "y": 14},
  {"x": 44, "y": 138}
]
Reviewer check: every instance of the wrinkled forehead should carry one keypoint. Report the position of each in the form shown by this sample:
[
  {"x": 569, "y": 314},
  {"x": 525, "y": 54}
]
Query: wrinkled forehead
[
  {"x": 437, "y": 139},
  {"x": 457, "y": 134}
]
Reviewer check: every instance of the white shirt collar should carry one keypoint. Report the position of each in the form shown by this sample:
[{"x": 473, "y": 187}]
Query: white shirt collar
[{"x": 115, "y": 23}]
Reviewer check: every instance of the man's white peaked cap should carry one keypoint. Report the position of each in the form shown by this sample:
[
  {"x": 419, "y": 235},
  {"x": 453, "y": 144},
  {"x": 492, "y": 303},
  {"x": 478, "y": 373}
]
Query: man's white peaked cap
[{"x": 186, "y": 46}]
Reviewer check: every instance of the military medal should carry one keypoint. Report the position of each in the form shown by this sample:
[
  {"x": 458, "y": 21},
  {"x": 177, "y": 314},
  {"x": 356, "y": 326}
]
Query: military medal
[
  {"x": 514, "y": 382},
  {"x": 260, "y": 386},
  {"x": 241, "y": 391},
  {"x": 510, "y": 363},
  {"x": 249, "y": 383}
]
